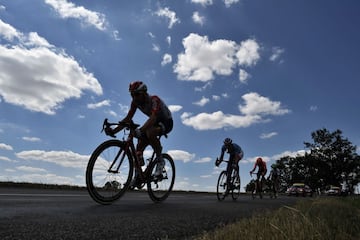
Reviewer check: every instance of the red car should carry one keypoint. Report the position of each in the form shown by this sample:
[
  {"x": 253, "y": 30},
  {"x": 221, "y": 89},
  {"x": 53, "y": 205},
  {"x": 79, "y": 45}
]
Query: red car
[{"x": 299, "y": 189}]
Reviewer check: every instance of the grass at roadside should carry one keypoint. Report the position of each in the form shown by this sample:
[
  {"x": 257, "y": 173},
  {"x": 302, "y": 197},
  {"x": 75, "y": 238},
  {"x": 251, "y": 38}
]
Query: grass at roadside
[{"x": 319, "y": 218}]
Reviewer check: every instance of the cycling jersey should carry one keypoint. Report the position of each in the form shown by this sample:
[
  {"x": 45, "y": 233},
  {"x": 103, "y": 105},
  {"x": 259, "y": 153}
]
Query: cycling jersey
[
  {"x": 155, "y": 105},
  {"x": 262, "y": 167},
  {"x": 235, "y": 149}
]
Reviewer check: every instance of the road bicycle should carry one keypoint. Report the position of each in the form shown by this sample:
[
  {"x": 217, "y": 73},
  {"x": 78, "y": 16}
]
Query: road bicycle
[
  {"x": 226, "y": 184},
  {"x": 110, "y": 169},
  {"x": 255, "y": 191}
]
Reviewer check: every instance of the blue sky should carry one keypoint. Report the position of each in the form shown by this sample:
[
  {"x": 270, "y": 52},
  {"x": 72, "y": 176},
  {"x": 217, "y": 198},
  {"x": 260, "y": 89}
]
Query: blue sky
[{"x": 264, "y": 73}]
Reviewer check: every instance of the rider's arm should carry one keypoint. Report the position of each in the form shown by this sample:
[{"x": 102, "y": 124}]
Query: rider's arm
[
  {"x": 222, "y": 153},
  {"x": 253, "y": 168},
  {"x": 127, "y": 118}
]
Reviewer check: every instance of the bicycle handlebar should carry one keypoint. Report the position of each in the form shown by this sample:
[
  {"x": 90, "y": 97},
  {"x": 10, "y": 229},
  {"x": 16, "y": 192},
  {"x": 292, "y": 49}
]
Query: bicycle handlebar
[{"x": 128, "y": 125}]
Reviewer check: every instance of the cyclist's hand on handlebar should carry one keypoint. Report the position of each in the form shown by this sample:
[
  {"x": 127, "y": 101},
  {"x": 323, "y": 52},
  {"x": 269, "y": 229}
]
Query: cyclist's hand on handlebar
[
  {"x": 109, "y": 132},
  {"x": 217, "y": 162}
]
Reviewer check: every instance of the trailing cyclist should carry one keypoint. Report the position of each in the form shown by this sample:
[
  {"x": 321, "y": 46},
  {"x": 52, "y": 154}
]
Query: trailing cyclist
[
  {"x": 236, "y": 154},
  {"x": 274, "y": 178},
  {"x": 160, "y": 122},
  {"x": 261, "y": 164}
]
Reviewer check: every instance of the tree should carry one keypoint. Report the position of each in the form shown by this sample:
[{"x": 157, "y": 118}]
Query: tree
[{"x": 332, "y": 160}]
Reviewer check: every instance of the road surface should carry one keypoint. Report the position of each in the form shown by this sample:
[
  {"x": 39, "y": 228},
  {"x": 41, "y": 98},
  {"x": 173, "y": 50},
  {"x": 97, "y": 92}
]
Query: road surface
[{"x": 27, "y": 213}]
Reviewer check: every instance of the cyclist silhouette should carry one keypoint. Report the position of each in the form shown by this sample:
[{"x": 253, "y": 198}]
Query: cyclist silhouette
[
  {"x": 160, "y": 122},
  {"x": 236, "y": 154},
  {"x": 261, "y": 164}
]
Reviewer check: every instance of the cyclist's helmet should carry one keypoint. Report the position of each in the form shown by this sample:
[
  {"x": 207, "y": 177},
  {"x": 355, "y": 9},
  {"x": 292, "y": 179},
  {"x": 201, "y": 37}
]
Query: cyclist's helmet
[
  {"x": 227, "y": 141},
  {"x": 137, "y": 86}
]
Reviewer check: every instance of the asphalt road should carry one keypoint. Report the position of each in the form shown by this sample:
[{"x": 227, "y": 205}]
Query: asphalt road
[{"x": 72, "y": 214}]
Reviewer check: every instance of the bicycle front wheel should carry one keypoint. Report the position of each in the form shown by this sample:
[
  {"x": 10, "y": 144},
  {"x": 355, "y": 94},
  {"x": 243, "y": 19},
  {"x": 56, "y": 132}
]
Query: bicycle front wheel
[
  {"x": 109, "y": 172},
  {"x": 221, "y": 186},
  {"x": 235, "y": 180},
  {"x": 159, "y": 187}
]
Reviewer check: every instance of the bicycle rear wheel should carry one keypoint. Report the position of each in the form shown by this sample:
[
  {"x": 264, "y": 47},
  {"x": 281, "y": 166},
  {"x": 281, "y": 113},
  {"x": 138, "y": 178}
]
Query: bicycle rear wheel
[
  {"x": 160, "y": 187},
  {"x": 109, "y": 172},
  {"x": 221, "y": 186},
  {"x": 235, "y": 180}
]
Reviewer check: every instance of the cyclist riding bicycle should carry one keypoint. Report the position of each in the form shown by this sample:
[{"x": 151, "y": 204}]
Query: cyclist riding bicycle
[
  {"x": 261, "y": 164},
  {"x": 235, "y": 152},
  {"x": 159, "y": 123},
  {"x": 274, "y": 178}
]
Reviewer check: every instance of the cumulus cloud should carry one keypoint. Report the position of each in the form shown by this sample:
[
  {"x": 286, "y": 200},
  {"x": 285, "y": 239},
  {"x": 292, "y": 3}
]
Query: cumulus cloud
[
  {"x": 99, "y": 104},
  {"x": 268, "y": 135},
  {"x": 31, "y": 139},
  {"x": 203, "y": 2},
  {"x": 5, "y": 146},
  {"x": 167, "y": 58},
  {"x": 202, "y": 58},
  {"x": 67, "y": 9},
  {"x": 181, "y": 155},
  {"x": 49, "y": 74},
  {"x": 202, "y": 102},
  {"x": 243, "y": 75},
  {"x": 30, "y": 169},
  {"x": 228, "y": 3},
  {"x": 256, "y": 109},
  {"x": 259, "y": 105},
  {"x": 175, "y": 108},
  {"x": 197, "y": 18},
  {"x": 170, "y": 15},
  {"x": 62, "y": 158},
  {"x": 248, "y": 53},
  {"x": 276, "y": 53}
]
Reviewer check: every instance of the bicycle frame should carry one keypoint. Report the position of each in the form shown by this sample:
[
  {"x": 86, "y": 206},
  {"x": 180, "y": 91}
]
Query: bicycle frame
[{"x": 129, "y": 147}]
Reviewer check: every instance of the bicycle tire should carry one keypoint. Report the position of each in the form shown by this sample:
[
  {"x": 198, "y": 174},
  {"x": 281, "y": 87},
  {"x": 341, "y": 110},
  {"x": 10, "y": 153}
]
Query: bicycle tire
[
  {"x": 160, "y": 188},
  {"x": 104, "y": 186},
  {"x": 236, "y": 183},
  {"x": 221, "y": 186}
]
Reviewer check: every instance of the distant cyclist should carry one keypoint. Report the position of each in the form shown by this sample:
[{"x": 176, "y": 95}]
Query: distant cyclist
[
  {"x": 261, "y": 164},
  {"x": 274, "y": 178},
  {"x": 235, "y": 152}
]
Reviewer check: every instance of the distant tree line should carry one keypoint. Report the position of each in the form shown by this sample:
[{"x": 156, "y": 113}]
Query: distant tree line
[{"x": 330, "y": 159}]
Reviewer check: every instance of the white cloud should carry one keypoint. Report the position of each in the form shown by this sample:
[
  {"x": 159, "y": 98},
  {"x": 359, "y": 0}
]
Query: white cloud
[
  {"x": 171, "y": 15},
  {"x": 217, "y": 120},
  {"x": 50, "y": 75},
  {"x": 203, "y": 160},
  {"x": 203, "y": 2},
  {"x": 69, "y": 10},
  {"x": 255, "y": 110},
  {"x": 99, "y": 104},
  {"x": 30, "y": 169},
  {"x": 155, "y": 48},
  {"x": 175, "y": 108},
  {"x": 248, "y": 53},
  {"x": 197, "y": 18},
  {"x": 202, "y": 102},
  {"x": 276, "y": 53},
  {"x": 6, "y": 159},
  {"x": 168, "y": 40},
  {"x": 62, "y": 158},
  {"x": 181, "y": 155},
  {"x": 313, "y": 108},
  {"x": 202, "y": 58},
  {"x": 167, "y": 58},
  {"x": 243, "y": 75},
  {"x": 259, "y": 105},
  {"x": 228, "y": 3},
  {"x": 31, "y": 139},
  {"x": 5, "y": 146},
  {"x": 268, "y": 135},
  {"x": 289, "y": 153}
]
